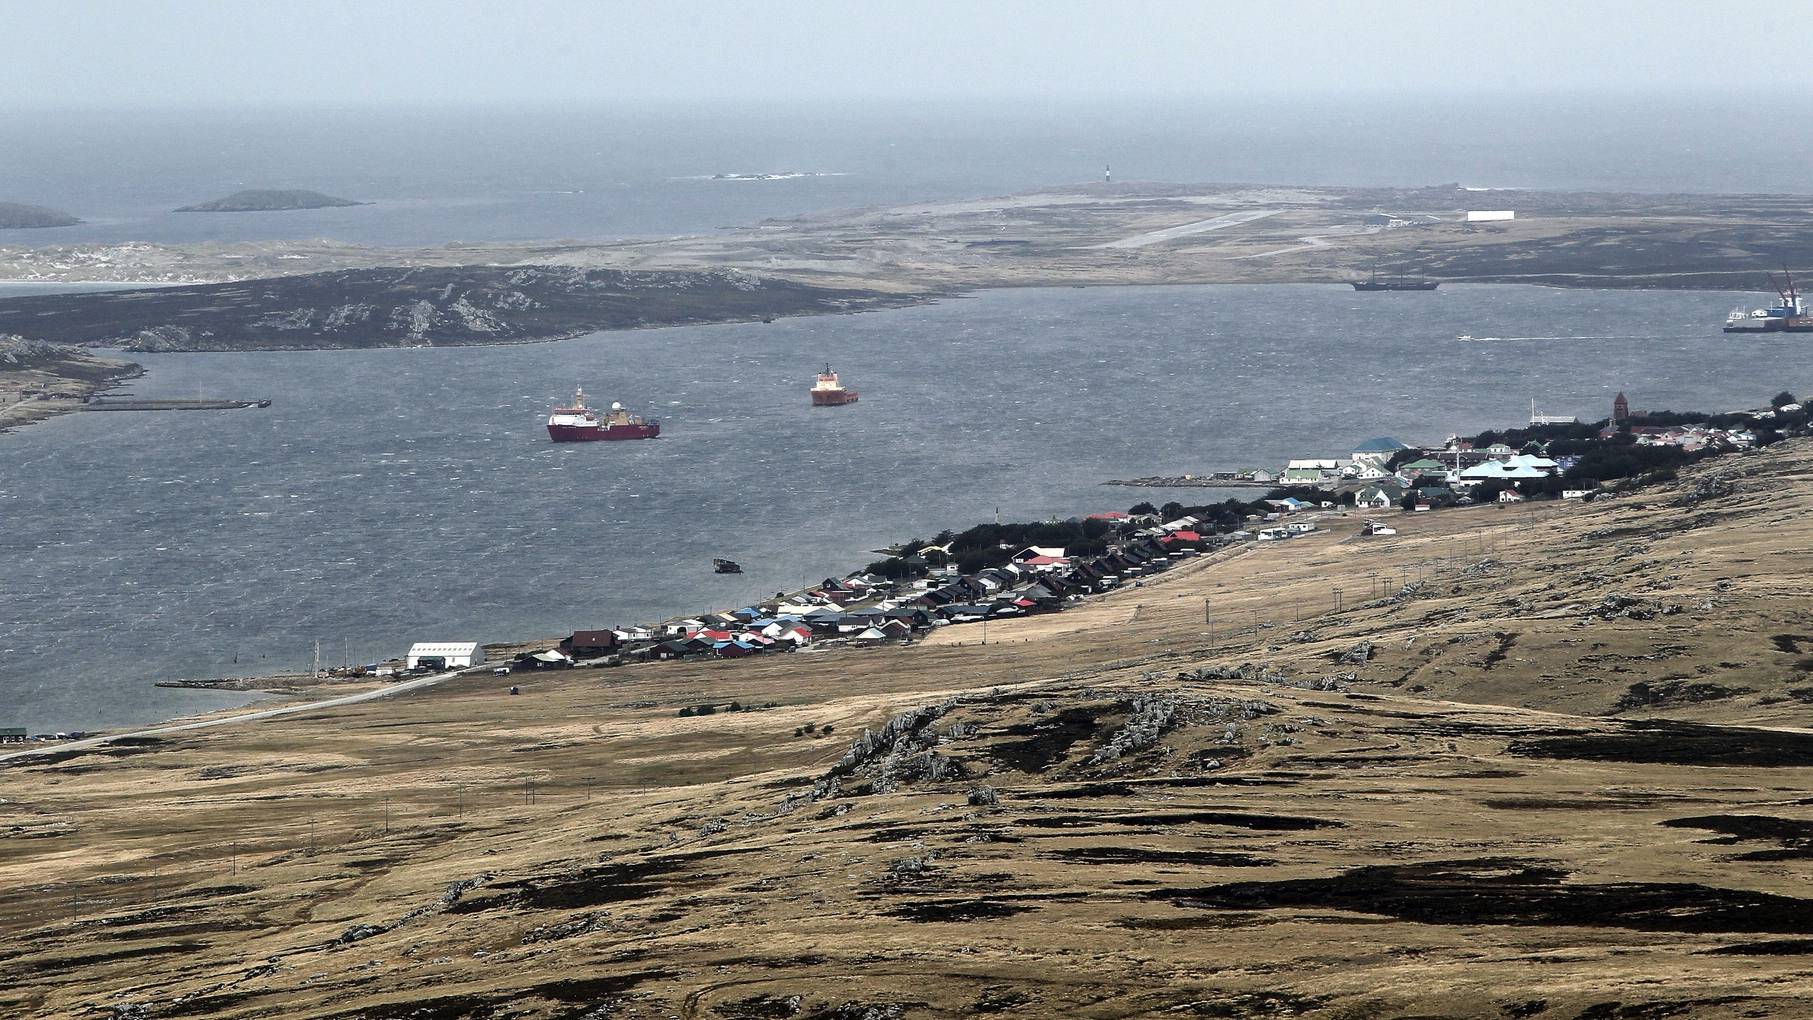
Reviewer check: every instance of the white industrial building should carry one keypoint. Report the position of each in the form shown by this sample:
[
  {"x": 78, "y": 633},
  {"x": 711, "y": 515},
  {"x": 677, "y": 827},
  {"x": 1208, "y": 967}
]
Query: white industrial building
[
  {"x": 1489, "y": 215},
  {"x": 459, "y": 654}
]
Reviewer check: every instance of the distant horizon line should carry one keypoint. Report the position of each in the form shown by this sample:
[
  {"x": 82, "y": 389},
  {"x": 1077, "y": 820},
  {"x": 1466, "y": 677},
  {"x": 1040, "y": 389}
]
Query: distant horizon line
[{"x": 644, "y": 103}]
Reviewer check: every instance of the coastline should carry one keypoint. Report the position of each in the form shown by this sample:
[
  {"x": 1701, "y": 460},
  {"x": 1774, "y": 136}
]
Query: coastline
[
  {"x": 1118, "y": 235},
  {"x": 35, "y": 394}
]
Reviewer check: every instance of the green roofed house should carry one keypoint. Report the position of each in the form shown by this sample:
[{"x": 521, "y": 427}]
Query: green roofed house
[{"x": 1425, "y": 466}]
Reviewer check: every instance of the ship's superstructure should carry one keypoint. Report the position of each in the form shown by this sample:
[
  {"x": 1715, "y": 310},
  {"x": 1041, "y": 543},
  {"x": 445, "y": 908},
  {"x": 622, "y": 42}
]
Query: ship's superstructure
[
  {"x": 829, "y": 392},
  {"x": 1787, "y": 316},
  {"x": 580, "y": 423}
]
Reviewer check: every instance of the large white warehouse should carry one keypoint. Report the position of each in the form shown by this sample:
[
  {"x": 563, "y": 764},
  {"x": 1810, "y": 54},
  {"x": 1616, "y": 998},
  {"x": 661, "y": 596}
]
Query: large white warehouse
[
  {"x": 458, "y": 654},
  {"x": 1488, "y": 215}
]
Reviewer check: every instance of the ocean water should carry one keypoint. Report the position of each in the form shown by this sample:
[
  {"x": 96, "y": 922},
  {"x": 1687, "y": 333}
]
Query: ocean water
[
  {"x": 391, "y": 496},
  {"x": 592, "y": 173}
]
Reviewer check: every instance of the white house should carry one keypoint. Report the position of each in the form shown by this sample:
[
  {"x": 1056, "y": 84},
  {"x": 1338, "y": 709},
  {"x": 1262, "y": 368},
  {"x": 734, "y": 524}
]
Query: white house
[
  {"x": 1510, "y": 496},
  {"x": 458, "y": 654},
  {"x": 1312, "y": 471},
  {"x": 1377, "y": 451},
  {"x": 1503, "y": 470}
]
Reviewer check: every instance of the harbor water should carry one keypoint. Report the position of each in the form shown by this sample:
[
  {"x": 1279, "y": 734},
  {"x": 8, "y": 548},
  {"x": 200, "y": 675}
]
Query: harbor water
[{"x": 392, "y": 496}]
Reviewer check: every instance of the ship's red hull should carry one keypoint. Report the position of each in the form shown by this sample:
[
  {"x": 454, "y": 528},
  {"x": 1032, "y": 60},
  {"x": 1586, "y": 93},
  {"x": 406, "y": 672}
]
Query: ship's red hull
[
  {"x": 833, "y": 398},
  {"x": 589, "y": 433}
]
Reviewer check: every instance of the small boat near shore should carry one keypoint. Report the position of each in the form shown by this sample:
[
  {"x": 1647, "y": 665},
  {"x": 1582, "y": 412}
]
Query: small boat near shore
[
  {"x": 723, "y": 566},
  {"x": 579, "y": 423}
]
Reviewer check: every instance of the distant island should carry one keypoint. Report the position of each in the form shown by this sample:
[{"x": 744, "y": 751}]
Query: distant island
[
  {"x": 270, "y": 200},
  {"x": 14, "y": 216}
]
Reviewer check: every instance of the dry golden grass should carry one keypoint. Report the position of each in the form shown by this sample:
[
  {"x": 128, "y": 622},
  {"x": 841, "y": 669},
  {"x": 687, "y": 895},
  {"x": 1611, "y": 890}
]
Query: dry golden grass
[{"x": 1475, "y": 823}]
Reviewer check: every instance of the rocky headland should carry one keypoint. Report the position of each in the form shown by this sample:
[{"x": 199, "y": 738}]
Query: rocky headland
[
  {"x": 38, "y": 379},
  {"x": 415, "y": 307}
]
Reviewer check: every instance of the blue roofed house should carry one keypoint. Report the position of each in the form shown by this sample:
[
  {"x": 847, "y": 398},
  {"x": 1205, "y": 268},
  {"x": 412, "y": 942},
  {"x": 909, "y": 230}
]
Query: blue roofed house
[{"x": 1377, "y": 451}]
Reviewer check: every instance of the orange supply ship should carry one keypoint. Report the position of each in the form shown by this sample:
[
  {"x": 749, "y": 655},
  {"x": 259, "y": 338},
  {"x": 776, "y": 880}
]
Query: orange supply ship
[
  {"x": 579, "y": 423},
  {"x": 828, "y": 392}
]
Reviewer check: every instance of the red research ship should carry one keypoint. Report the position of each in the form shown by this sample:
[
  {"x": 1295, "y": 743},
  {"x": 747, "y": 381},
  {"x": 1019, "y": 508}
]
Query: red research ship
[
  {"x": 828, "y": 392},
  {"x": 579, "y": 423}
]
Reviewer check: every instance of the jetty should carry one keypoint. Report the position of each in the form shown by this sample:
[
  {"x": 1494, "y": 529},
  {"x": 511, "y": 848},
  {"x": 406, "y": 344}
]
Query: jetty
[
  {"x": 1219, "y": 481},
  {"x": 102, "y": 404}
]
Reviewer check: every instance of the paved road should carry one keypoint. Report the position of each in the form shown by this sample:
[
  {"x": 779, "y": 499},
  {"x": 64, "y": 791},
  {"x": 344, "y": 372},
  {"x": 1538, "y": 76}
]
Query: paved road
[
  {"x": 1152, "y": 237},
  {"x": 391, "y": 690}
]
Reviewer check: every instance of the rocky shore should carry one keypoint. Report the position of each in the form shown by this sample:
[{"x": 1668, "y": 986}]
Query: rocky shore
[
  {"x": 39, "y": 380},
  {"x": 417, "y": 307}
]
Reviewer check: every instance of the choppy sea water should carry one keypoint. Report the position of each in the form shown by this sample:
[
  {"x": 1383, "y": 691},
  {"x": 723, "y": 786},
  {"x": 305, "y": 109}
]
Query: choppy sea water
[{"x": 398, "y": 495}]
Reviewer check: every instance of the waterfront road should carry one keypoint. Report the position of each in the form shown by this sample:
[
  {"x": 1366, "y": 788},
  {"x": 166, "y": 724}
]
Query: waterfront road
[{"x": 86, "y": 743}]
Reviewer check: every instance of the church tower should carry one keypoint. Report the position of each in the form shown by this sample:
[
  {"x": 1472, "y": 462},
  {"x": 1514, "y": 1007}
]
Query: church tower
[{"x": 1620, "y": 409}]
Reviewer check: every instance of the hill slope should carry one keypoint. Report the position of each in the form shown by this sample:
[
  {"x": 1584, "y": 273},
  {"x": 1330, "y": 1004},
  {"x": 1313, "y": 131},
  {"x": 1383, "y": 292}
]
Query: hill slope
[{"x": 1117, "y": 811}]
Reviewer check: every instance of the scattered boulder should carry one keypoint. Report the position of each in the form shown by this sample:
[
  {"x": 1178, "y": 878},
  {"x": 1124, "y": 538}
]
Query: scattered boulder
[
  {"x": 1711, "y": 486},
  {"x": 359, "y": 933}
]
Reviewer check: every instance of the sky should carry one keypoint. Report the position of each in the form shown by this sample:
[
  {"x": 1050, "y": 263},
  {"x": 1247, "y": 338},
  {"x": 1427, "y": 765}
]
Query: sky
[{"x": 131, "y": 54}]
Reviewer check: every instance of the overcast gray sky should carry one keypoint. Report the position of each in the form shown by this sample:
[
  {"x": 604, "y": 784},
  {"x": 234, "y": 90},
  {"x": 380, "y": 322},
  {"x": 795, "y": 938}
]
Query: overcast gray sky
[{"x": 135, "y": 53}]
